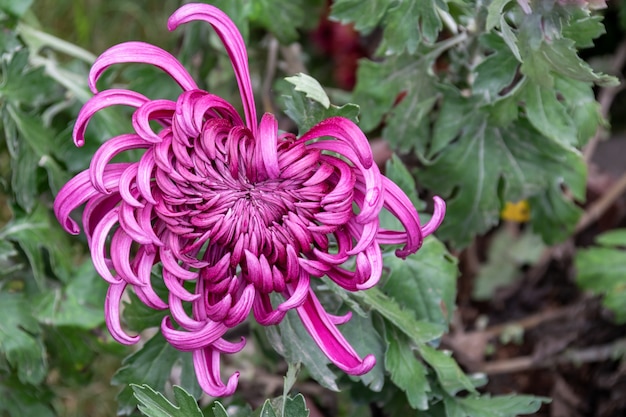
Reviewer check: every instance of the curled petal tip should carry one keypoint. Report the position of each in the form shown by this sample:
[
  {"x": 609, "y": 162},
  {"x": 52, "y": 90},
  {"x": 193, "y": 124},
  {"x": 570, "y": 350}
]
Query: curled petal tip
[
  {"x": 366, "y": 365},
  {"x": 438, "y": 214}
]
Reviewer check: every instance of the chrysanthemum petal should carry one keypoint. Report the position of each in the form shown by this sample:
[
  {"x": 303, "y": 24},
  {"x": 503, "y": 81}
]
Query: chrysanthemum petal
[
  {"x": 107, "y": 152},
  {"x": 438, "y": 214},
  {"x": 225, "y": 346},
  {"x": 374, "y": 258},
  {"x": 400, "y": 206},
  {"x": 322, "y": 329},
  {"x": 152, "y": 110},
  {"x": 263, "y": 311},
  {"x": 371, "y": 178},
  {"x": 240, "y": 310},
  {"x": 78, "y": 191},
  {"x": 140, "y": 52},
  {"x": 188, "y": 341},
  {"x": 206, "y": 362},
  {"x": 297, "y": 293},
  {"x": 121, "y": 245},
  {"x": 101, "y": 101},
  {"x": 347, "y": 132},
  {"x": 233, "y": 42},
  {"x": 267, "y": 143},
  {"x": 112, "y": 315},
  {"x": 98, "y": 249},
  {"x": 180, "y": 315}
]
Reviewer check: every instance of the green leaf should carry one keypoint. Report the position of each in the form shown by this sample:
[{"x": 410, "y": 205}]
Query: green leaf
[
  {"x": 507, "y": 253},
  {"x": 22, "y": 400},
  {"x": 218, "y": 410},
  {"x": 281, "y": 17},
  {"x": 408, "y": 23},
  {"x": 31, "y": 145},
  {"x": 20, "y": 338},
  {"x": 296, "y": 407},
  {"x": 407, "y": 372},
  {"x": 154, "y": 404},
  {"x": 37, "y": 233},
  {"x": 79, "y": 304},
  {"x": 580, "y": 102},
  {"x": 449, "y": 374},
  {"x": 75, "y": 351},
  {"x": 553, "y": 214},
  {"x": 152, "y": 365},
  {"x": 495, "y": 10},
  {"x": 583, "y": 28},
  {"x": 408, "y": 79},
  {"x": 138, "y": 316},
  {"x": 15, "y": 7},
  {"x": 548, "y": 115},
  {"x": 22, "y": 83},
  {"x": 544, "y": 57},
  {"x": 360, "y": 332},
  {"x": 267, "y": 410},
  {"x": 295, "y": 344},
  {"x": 397, "y": 172},
  {"x": 238, "y": 11},
  {"x": 311, "y": 87},
  {"x": 489, "y": 164},
  {"x": 487, "y": 406},
  {"x": 419, "y": 331},
  {"x": 602, "y": 270},
  {"x": 306, "y": 113},
  {"x": 497, "y": 71},
  {"x": 424, "y": 282},
  {"x": 365, "y": 15},
  {"x": 615, "y": 237}
]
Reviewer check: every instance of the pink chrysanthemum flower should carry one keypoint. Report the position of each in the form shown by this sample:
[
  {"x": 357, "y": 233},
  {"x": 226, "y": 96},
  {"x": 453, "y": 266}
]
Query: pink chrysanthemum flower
[{"x": 232, "y": 211}]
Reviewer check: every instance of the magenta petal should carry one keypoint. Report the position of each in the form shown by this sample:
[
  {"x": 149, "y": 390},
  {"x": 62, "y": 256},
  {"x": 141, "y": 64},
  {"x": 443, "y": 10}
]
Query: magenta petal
[
  {"x": 95, "y": 210},
  {"x": 340, "y": 319},
  {"x": 171, "y": 264},
  {"x": 101, "y": 101},
  {"x": 267, "y": 143},
  {"x": 233, "y": 42},
  {"x": 131, "y": 226},
  {"x": 206, "y": 362},
  {"x": 264, "y": 314},
  {"x": 240, "y": 310},
  {"x": 150, "y": 298},
  {"x": 180, "y": 315},
  {"x": 174, "y": 285},
  {"x": 140, "y": 52},
  {"x": 121, "y": 245},
  {"x": 437, "y": 218},
  {"x": 366, "y": 235},
  {"x": 127, "y": 184},
  {"x": 198, "y": 339},
  {"x": 98, "y": 242},
  {"x": 107, "y": 152},
  {"x": 152, "y": 110},
  {"x": 371, "y": 179},
  {"x": 322, "y": 329},
  {"x": 112, "y": 315},
  {"x": 78, "y": 191},
  {"x": 225, "y": 346},
  {"x": 347, "y": 132},
  {"x": 298, "y": 294},
  {"x": 212, "y": 105},
  {"x": 374, "y": 258},
  {"x": 400, "y": 206}
]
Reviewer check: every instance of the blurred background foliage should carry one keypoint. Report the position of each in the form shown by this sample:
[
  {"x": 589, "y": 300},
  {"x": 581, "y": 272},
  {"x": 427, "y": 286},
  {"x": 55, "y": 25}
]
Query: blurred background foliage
[{"x": 481, "y": 102}]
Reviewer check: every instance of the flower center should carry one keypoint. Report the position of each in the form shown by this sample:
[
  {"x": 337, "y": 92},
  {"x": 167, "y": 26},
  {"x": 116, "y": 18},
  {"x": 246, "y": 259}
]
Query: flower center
[{"x": 213, "y": 189}]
